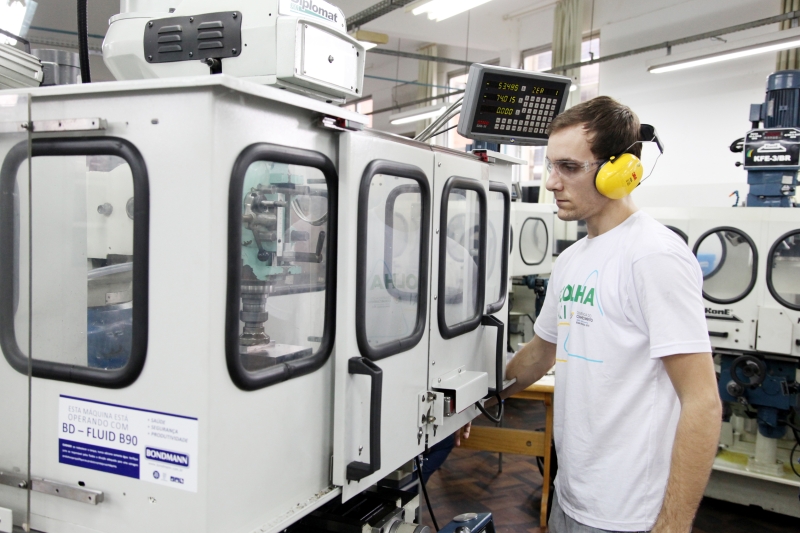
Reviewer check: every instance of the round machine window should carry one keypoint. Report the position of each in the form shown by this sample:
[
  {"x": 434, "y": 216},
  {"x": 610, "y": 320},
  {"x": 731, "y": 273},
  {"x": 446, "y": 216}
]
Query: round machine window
[
  {"x": 729, "y": 261},
  {"x": 783, "y": 270},
  {"x": 533, "y": 241},
  {"x": 679, "y": 233}
]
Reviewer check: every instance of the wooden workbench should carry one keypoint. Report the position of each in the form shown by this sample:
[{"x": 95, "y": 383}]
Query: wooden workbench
[{"x": 520, "y": 441}]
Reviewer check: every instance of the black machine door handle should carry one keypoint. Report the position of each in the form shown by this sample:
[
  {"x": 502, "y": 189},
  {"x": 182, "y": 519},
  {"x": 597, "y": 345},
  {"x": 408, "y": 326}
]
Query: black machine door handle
[
  {"x": 356, "y": 471},
  {"x": 491, "y": 321},
  {"x": 720, "y": 334}
]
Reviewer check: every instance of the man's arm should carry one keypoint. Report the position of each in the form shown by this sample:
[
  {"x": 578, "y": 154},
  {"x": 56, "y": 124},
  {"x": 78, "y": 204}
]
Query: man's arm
[
  {"x": 696, "y": 439},
  {"x": 530, "y": 364}
]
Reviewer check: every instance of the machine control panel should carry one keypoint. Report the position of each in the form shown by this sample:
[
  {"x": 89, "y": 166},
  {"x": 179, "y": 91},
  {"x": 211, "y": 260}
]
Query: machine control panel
[
  {"x": 511, "y": 106},
  {"x": 776, "y": 147}
]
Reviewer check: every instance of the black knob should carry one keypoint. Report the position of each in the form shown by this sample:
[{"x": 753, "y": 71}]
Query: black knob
[
  {"x": 263, "y": 255},
  {"x": 734, "y": 389}
]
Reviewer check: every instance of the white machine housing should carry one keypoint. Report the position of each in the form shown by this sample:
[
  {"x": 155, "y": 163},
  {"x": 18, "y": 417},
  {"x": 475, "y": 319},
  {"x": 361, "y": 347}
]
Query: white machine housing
[
  {"x": 300, "y": 45},
  {"x": 265, "y": 455}
]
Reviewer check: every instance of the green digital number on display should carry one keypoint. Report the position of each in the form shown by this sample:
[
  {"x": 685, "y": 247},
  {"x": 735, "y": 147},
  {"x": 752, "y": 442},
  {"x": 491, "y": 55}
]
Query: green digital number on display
[
  {"x": 505, "y": 111},
  {"x": 508, "y": 86}
]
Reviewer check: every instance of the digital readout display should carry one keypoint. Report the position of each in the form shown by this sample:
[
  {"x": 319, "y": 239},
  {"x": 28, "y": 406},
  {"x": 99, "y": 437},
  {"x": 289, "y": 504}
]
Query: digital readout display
[{"x": 517, "y": 107}]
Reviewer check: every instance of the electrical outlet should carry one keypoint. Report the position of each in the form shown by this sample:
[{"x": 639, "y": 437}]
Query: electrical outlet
[{"x": 6, "y": 520}]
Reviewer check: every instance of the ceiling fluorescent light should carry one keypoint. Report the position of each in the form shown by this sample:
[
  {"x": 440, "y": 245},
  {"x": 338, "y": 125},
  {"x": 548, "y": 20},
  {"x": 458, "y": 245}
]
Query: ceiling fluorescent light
[
  {"x": 418, "y": 114},
  {"x": 772, "y": 42},
  {"x": 439, "y": 10},
  {"x": 369, "y": 39}
]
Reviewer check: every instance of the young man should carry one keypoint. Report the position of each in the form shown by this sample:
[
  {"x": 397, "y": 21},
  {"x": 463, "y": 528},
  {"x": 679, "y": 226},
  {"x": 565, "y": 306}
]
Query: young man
[{"x": 637, "y": 413}]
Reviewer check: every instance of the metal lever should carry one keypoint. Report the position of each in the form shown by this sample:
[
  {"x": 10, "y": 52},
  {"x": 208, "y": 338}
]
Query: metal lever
[
  {"x": 356, "y": 471},
  {"x": 491, "y": 321}
]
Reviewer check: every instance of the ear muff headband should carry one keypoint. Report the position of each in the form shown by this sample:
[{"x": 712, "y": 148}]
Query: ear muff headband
[{"x": 617, "y": 177}]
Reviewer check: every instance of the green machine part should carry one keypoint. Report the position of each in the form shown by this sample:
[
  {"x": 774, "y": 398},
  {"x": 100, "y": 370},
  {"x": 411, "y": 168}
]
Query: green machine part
[{"x": 264, "y": 177}]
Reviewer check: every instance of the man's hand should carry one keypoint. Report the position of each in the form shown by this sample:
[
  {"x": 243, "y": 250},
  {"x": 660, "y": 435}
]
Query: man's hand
[
  {"x": 463, "y": 433},
  {"x": 696, "y": 439}
]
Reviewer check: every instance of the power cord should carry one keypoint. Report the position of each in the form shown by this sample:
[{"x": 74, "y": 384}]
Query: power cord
[
  {"x": 425, "y": 492},
  {"x": 437, "y": 124},
  {"x": 796, "y": 432},
  {"x": 794, "y": 427},
  {"x": 443, "y": 131},
  {"x": 496, "y": 419},
  {"x": 83, "y": 41}
]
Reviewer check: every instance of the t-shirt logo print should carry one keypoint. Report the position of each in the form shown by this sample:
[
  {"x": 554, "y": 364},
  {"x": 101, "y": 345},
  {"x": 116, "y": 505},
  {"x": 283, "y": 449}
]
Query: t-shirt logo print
[{"x": 584, "y": 294}]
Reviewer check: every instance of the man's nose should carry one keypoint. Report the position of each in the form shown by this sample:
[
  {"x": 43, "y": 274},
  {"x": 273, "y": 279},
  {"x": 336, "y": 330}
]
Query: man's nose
[{"x": 553, "y": 182}]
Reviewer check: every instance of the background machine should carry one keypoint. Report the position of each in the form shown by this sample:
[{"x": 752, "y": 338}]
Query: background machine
[
  {"x": 772, "y": 147},
  {"x": 228, "y": 307},
  {"x": 751, "y": 287}
]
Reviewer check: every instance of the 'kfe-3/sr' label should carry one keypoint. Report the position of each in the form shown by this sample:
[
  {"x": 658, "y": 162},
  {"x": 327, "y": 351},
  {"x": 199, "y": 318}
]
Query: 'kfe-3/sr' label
[
  {"x": 772, "y": 148},
  {"x": 127, "y": 441}
]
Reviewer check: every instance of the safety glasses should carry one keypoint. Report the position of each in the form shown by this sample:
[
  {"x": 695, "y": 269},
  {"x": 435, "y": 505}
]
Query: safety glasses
[{"x": 570, "y": 168}]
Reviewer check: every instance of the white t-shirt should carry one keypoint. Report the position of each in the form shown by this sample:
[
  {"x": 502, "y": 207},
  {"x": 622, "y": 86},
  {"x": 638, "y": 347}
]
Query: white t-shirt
[{"x": 615, "y": 305}]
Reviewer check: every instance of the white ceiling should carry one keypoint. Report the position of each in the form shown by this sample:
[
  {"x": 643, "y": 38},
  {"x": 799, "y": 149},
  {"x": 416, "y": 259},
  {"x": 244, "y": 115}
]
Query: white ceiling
[{"x": 488, "y": 30}]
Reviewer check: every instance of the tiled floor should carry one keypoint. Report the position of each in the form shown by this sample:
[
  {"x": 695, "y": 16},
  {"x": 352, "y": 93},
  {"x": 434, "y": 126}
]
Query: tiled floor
[{"x": 469, "y": 482}]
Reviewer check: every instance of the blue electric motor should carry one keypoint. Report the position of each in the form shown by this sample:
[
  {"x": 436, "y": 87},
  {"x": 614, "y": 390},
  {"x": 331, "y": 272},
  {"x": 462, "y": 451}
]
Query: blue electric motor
[{"x": 772, "y": 151}]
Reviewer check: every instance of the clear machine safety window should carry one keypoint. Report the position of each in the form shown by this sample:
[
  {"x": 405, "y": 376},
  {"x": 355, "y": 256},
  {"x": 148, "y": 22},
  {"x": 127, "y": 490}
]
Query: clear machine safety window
[
  {"x": 393, "y": 249},
  {"x": 85, "y": 215},
  {"x": 783, "y": 270},
  {"x": 499, "y": 212},
  {"x": 282, "y": 246},
  {"x": 462, "y": 257},
  {"x": 533, "y": 241},
  {"x": 729, "y": 261}
]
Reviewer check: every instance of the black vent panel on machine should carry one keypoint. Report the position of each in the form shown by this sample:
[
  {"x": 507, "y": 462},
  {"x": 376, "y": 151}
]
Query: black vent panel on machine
[{"x": 196, "y": 37}]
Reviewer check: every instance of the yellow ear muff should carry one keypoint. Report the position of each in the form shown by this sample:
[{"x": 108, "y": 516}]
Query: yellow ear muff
[{"x": 618, "y": 176}]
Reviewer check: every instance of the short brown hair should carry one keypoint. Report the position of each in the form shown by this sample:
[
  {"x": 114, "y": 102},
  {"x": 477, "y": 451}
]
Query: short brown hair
[{"x": 610, "y": 126}]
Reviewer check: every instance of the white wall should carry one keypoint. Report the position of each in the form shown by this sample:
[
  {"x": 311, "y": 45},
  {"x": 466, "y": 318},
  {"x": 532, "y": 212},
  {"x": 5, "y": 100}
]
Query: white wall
[
  {"x": 509, "y": 37},
  {"x": 387, "y": 67},
  {"x": 698, "y": 112}
]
